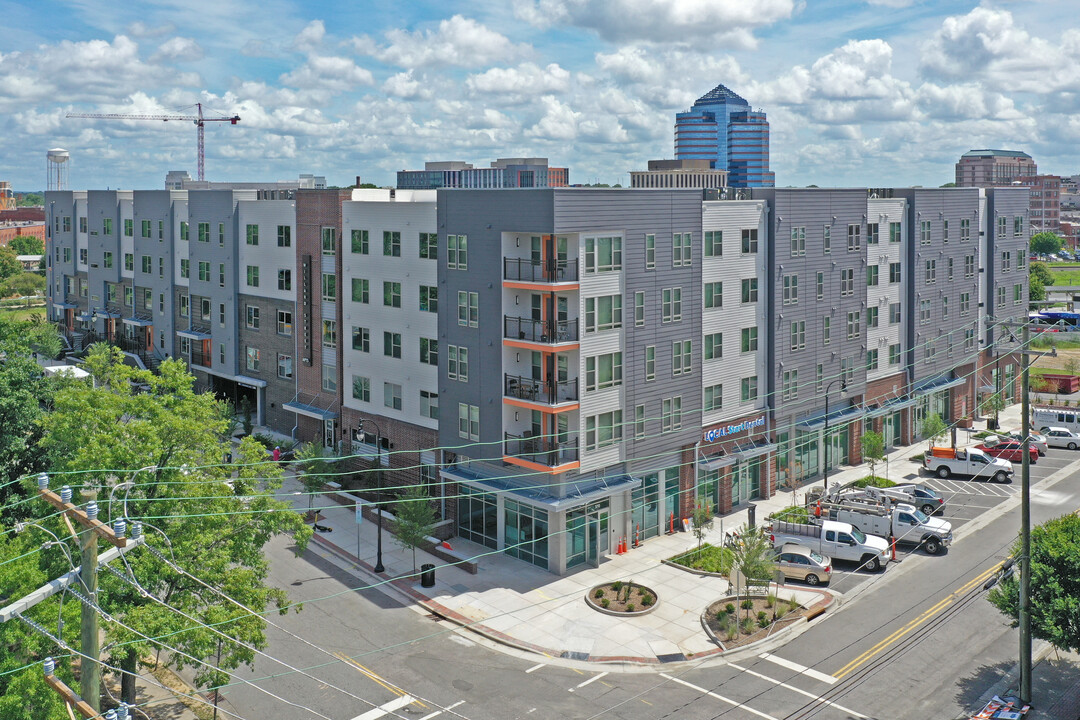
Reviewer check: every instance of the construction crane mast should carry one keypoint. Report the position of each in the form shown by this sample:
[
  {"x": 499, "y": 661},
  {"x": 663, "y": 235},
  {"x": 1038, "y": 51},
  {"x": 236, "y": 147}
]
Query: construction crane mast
[{"x": 198, "y": 119}]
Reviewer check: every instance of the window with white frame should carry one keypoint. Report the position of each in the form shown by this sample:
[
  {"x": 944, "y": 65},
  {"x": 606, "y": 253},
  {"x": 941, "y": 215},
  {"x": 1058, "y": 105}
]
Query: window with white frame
[
  {"x": 603, "y": 313},
  {"x": 798, "y": 241},
  {"x": 798, "y": 334},
  {"x": 671, "y": 414},
  {"x": 429, "y": 404},
  {"x": 681, "y": 250},
  {"x": 714, "y": 295},
  {"x": 749, "y": 290},
  {"x": 749, "y": 241},
  {"x": 392, "y": 395},
  {"x": 457, "y": 252},
  {"x": 682, "y": 356},
  {"x": 790, "y": 385},
  {"x": 749, "y": 389},
  {"x": 457, "y": 363},
  {"x": 603, "y": 254},
  {"x": 847, "y": 282},
  {"x": 468, "y": 422},
  {"x": 603, "y": 371},
  {"x": 791, "y": 289},
  {"x": 854, "y": 325},
  {"x": 603, "y": 430},
  {"x": 361, "y": 339},
  {"x": 468, "y": 309},
  {"x": 714, "y": 243},
  {"x": 854, "y": 238},
  {"x": 671, "y": 305}
]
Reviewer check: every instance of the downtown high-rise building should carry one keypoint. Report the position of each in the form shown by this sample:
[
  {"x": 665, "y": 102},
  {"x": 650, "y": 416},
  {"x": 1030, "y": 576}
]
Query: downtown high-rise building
[{"x": 723, "y": 129}]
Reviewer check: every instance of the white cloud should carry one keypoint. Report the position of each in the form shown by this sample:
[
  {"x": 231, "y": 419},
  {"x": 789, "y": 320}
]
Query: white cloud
[
  {"x": 140, "y": 29},
  {"x": 311, "y": 37},
  {"x": 526, "y": 79},
  {"x": 404, "y": 85},
  {"x": 337, "y": 74},
  {"x": 558, "y": 123},
  {"x": 892, "y": 3},
  {"x": 178, "y": 48},
  {"x": 457, "y": 41}
]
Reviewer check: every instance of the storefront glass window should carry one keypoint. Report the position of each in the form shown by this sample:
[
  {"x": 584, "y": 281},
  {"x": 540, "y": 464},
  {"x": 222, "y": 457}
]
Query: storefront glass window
[
  {"x": 478, "y": 516},
  {"x": 525, "y": 533}
]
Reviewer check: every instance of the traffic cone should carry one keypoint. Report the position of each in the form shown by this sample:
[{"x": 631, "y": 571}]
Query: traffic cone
[{"x": 671, "y": 524}]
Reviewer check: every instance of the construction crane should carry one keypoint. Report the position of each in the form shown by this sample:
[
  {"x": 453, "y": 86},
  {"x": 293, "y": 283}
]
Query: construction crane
[{"x": 198, "y": 119}]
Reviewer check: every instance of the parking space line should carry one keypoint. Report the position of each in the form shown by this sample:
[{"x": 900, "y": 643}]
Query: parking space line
[
  {"x": 801, "y": 669},
  {"x": 729, "y": 701},
  {"x": 536, "y": 667},
  {"x": 593, "y": 679},
  {"x": 806, "y": 693}
]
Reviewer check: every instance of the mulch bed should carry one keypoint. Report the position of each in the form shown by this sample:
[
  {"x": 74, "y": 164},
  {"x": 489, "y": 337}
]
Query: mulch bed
[
  {"x": 618, "y": 601},
  {"x": 757, "y": 632}
]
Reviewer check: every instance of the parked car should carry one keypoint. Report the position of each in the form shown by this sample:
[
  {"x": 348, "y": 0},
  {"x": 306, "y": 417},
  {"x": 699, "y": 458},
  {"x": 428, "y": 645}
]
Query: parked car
[
  {"x": 1010, "y": 450},
  {"x": 1034, "y": 439},
  {"x": 1062, "y": 437},
  {"x": 799, "y": 562}
]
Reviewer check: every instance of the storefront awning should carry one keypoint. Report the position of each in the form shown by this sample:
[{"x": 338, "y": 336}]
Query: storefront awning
[
  {"x": 301, "y": 409},
  {"x": 716, "y": 461},
  {"x": 836, "y": 418},
  {"x": 578, "y": 493},
  {"x": 192, "y": 334},
  {"x": 752, "y": 448},
  {"x": 937, "y": 384},
  {"x": 138, "y": 322},
  {"x": 249, "y": 381},
  {"x": 890, "y": 407}
]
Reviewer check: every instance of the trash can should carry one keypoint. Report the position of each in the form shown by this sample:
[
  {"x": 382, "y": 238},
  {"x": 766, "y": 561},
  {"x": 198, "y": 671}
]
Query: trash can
[
  {"x": 751, "y": 515},
  {"x": 427, "y": 575}
]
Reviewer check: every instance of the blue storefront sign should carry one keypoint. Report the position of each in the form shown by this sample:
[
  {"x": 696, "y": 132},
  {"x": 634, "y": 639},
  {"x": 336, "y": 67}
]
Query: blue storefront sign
[{"x": 719, "y": 433}]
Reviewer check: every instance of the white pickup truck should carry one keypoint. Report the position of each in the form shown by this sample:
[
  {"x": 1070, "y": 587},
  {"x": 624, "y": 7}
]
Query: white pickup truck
[
  {"x": 902, "y": 522},
  {"x": 972, "y": 463},
  {"x": 838, "y": 540}
]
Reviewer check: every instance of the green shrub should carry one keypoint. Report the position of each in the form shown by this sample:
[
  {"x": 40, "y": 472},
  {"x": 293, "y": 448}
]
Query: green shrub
[
  {"x": 617, "y": 585},
  {"x": 793, "y": 514},
  {"x": 792, "y": 604},
  {"x": 874, "y": 481},
  {"x": 747, "y": 604},
  {"x": 599, "y": 593},
  {"x": 763, "y": 622},
  {"x": 629, "y": 607},
  {"x": 731, "y": 630},
  {"x": 708, "y": 558},
  {"x": 747, "y": 625},
  {"x": 762, "y": 615},
  {"x": 770, "y": 600},
  {"x": 647, "y": 600},
  {"x": 729, "y": 608},
  {"x": 605, "y": 603},
  {"x": 721, "y": 617},
  {"x": 781, "y": 611},
  {"x": 641, "y": 591}
]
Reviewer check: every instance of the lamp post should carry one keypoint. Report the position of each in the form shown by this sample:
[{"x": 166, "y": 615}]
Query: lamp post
[
  {"x": 379, "y": 567},
  {"x": 843, "y": 387}
]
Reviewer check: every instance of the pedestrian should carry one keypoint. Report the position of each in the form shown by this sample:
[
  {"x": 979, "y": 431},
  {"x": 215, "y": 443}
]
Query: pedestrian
[{"x": 277, "y": 453}]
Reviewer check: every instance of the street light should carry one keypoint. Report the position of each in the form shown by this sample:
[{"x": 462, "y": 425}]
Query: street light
[
  {"x": 379, "y": 567},
  {"x": 843, "y": 387}
]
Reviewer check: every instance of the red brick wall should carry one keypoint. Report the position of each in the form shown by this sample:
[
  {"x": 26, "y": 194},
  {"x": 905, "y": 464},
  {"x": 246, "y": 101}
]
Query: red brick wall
[{"x": 7, "y": 234}]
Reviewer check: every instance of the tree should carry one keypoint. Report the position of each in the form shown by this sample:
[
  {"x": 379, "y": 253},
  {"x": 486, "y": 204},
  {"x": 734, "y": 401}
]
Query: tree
[
  {"x": 701, "y": 522},
  {"x": 1055, "y": 584},
  {"x": 1072, "y": 365},
  {"x": 216, "y": 517},
  {"x": 948, "y": 185},
  {"x": 30, "y": 199},
  {"x": 1039, "y": 278},
  {"x": 993, "y": 403},
  {"x": 315, "y": 470},
  {"x": 933, "y": 429},
  {"x": 1045, "y": 243},
  {"x": 415, "y": 519},
  {"x": 752, "y": 556},
  {"x": 27, "y": 245},
  {"x": 873, "y": 450},
  {"x": 9, "y": 263},
  {"x": 25, "y": 285}
]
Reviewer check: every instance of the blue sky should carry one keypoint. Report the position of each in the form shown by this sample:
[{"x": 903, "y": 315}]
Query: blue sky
[{"x": 858, "y": 92}]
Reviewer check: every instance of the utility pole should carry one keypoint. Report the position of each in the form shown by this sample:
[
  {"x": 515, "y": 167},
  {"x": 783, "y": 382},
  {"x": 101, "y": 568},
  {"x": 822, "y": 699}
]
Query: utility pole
[
  {"x": 1025, "y": 527},
  {"x": 90, "y": 675}
]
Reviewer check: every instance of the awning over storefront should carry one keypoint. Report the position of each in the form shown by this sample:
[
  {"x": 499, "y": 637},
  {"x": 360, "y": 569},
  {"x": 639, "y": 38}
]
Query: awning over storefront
[
  {"x": 754, "y": 447},
  {"x": 716, "y": 461},
  {"x": 889, "y": 407},
  {"x": 837, "y": 417},
  {"x": 578, "y": 493},
  {"x": 297, "y": 407},
  {"x": 925, "y": 387},
  {"x": 249, "y": 381}
]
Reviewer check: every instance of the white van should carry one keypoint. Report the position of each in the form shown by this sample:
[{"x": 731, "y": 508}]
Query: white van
[{"x": 1045, "y": 417}]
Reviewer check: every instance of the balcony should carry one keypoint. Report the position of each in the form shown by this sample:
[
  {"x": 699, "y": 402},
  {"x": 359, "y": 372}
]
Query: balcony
[
  {"x": 544, "y": 451},
  {"x": 540, "y": 391},
  {"x": 539, "y": 271},
  {"x": 540, "y": 331},
  {"x": 198, "y": 357}
]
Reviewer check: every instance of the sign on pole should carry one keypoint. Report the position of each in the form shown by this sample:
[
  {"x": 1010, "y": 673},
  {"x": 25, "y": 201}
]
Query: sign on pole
[{"x": 359, "y": 513}]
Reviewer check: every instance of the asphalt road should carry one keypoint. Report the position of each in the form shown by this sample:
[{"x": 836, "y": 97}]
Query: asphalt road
[{"x": 919, "y": 641}]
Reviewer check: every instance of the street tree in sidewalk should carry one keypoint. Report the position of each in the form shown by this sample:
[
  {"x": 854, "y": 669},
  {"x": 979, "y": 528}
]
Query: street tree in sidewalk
[
  {"x": 933, "y": 428},
  {"x": 752, "y": 556},
  {"x": 155, "y": 431},
  {"x": 314, "y": 469},
  {"x": 701, "y": 522},
  {"x": 873, "y": 450},
  {"x": 1055, "y": 584},
  {"x": 415, "y": 519},
  {"x": 1045, "y": 243}
]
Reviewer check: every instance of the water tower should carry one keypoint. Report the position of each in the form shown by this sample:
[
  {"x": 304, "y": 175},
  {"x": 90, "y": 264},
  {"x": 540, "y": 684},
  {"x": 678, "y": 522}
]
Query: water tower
[{"x": 56, "y": 165}]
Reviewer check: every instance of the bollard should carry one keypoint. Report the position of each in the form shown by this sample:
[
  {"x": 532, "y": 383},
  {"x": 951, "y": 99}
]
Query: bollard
[{"x": 751, "y": 515}]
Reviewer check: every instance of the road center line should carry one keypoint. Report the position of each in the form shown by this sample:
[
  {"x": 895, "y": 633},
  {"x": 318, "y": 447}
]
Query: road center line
[
  {"x": 536, "y": 667},
  {"x": 806, "y": 693},
  {"x": 711, "y": 694},
  {"x": 801, "y": 669},
  {"x": 386, "y": 709},
  {"x": 593, "y": 679}
]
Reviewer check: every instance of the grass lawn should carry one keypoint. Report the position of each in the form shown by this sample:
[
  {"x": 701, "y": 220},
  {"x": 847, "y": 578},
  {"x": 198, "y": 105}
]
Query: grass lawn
[
  {"x": 22, "y": 313},
  {"x": 1065, "y": 275},
  {"x": 709, "y": 558}
]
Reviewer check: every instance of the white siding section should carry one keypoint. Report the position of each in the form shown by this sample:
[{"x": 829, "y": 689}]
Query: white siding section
[
  {"x": 884, "y": 212},
  {"x": 267, "y": 256}
]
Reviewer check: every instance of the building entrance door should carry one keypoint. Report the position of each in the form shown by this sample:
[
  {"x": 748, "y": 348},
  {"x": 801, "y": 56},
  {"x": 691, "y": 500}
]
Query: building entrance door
[{"x": 587, "y": 528}]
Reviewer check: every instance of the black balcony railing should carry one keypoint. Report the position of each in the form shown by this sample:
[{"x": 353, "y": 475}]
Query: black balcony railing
[
  {"x": 541, "y": 450},
  {"x": 198, "y": 357},
  {"x": 136, "y": 345},
  {"x": 551, "y": 271},
  {"x": 543, "y": 331},
  {"x": 544, "y": 391}
]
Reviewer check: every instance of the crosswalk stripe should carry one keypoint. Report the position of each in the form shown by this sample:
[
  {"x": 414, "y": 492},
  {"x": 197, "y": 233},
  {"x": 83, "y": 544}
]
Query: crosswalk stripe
[
  {"x": 593, "y": 679},
  {"x": 386, "y": 709},
  {"x": 711, "y": 694},
  {"x": 801, "y": 669},
  {"x": 805, "y": 693}
]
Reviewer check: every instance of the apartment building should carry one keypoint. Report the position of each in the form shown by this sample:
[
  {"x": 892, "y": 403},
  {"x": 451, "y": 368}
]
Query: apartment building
[{"x": 503, "y": 173}]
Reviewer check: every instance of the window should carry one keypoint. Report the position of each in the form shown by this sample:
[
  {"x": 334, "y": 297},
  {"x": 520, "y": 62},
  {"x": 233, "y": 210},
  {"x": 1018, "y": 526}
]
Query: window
[
  {"x": 749, "y": 389},
  {"x": 392, "y": 395},
  {"x": 924, "y": 232},
  {"x": 185, "y": 304},
  {"x": 639, "y": 308},
  {"x": 603, "y": 430},
  {"x": 1006, "y": 261},
  {"x": 391, "y": 344},
  {"x": 185, "y": 268},
  {"x": 798, "y": 241},
  {"x": 284, "y": 366},
  {"x": 871, "y": 360},
  {"x": 671, "y": 414},
  {"x": 894, "y": 354},
  {"x": 429, "y": 404},
  {"x": 145, "y": 226},
  {"x": 791, "y": 289},
  {"x": 790, "y": 387},
  {"x": 650, "y": 252},
  {"x": 457, "y": 363},
  {"x": 871, "y": 317},
  {"x": 429, "y": 250},
  {"x": 146, "y": 260},
  {"x": 252, "y": 358},
  {"x": 749, "y": 241},
  {"x": 854, "y": 238},
  {"x": 221, "y": 274},
  {"x": 252, "y": 234},
  {"x": 681, "y": 251},
  {"x": 221, "y": 314},
  {"x": 950, "y": 269},
  {"x": 749, "y": 290},
  {"x": 221, "y": 234},
  {"x": 361, "y": 388},
  {"x": 221, "y": 353},
  {"x": 969, "y": 340},
  {"x": 204, "y": 308},
  {"x": 924, "y": 312},
  {"x": 929, "y": 352},
  {"x": 826, "y": 330},
  {"x": 429, "y": 351},
  {"x": 329, "y": 241},
  {"x": 872, "y": 234},
  {"x": 457, "y": 252},
  {"x": 1003, "y": 226},
  {"x": 67, "y": 257},
  {"x": 894, "y": 272},
  {"x": 429, "y": 298},
  {"x": 253, "y": 317},
  {"x": 603, "y": 313},
  {"x": 1001, "y": 296},
  {"x": 1018, "y": 294},
  {"x": 603, "y": 371},
  {"x": 359, "y": 242},
  {"x": 965, "y": 303},
  {"x": 284, "y": 236},
  {"x": 253, "y": 275},
  {"x": 129, "y": 260},
  {"x": 714, "y": 294},
  {"x": 468, "y": 421},
  {"x": 714, "y": 243},
  {"x": 82, "y": 257},
  {"x": 329, "y": 333},
  {"x": 107, "y": 260},
  {"x": 965, "y": 230},
  {"x": 713, "y": 398},
  {"x": 148, "y": 298},
  {"x": 329, "y": 287},
  {"x": 284, "y": 322},
  {"x": 969, "y": 266},
  {"x": 945, "y": 231},
  {"x": 391, "y": 293},
  {"x": 650, "y": 362},
  {"x": 468, "y": 309},
  {"x": 894, "y": 232},
  {"x": 847, "y": 369},
  {"x": 798, "y": 335},
  {"x": 1018, "y": 226},
  {"x": 603, "y": 254},
  {"x": 639, "y": 421},
  {"x": 749, "y": 339},
  {"x": 872, "y": 275},
  {"x": 106, "y": 226},
  {"x": 671, "y": 305},
  {"x": 361, "y": 291},
  {"x": 1021, "y": 260},
  {"x": 847, "y": 282},
  {"x": 682, "y": 353},
  {"x": 391, "y": 243},
  {"x": 819, "y": 377},
  {"x": 361, "y": 339},
  {"x": 931, "y": 272},
  {"x": 854, "y": 325},
  {"x": 826, "y": 239},
  {"x": 129, "y": 229},
  {"x": 204, "y": 271}
]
